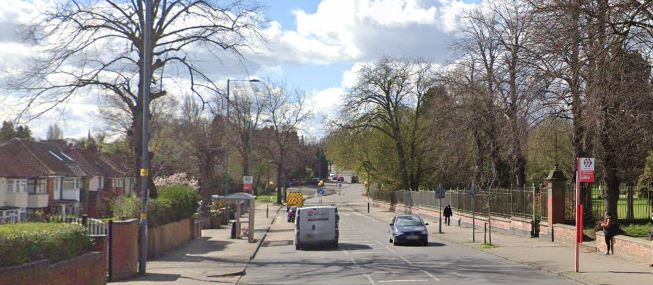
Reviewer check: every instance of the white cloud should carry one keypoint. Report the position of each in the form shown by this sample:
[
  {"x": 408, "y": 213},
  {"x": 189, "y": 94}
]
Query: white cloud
[{"x": 355, "y": 30}]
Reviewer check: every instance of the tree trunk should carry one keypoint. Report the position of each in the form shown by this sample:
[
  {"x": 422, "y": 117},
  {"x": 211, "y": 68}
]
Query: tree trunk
[{"x": 206, "y": 167}]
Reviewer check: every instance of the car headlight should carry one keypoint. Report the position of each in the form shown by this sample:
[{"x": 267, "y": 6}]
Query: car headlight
[
  {"x": 424, "y": 232},
  {"x": 398, "y": 232}
]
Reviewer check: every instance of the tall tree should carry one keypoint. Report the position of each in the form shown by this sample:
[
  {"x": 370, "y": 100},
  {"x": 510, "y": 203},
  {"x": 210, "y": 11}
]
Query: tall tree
[
  {"x": 54, "y": 132},
  {"x": 283, "y": 113},
  {"x": 389, "y": 97},
  {"x": 97, "y": 46}
]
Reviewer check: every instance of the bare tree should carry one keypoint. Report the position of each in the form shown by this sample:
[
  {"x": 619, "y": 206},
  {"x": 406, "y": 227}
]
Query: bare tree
[
  {"x": 389, "y": 97},
  {"x": 283, "y": 113},
  {"x": 247, "y": 105},
  {"x": 98, "y": 46}
]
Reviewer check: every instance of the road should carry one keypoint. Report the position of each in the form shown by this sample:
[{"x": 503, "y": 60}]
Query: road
[{"x": 366, "y": 257}]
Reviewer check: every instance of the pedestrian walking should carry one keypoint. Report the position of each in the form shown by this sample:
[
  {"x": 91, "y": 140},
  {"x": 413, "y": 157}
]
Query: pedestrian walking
[
  {"x": 609, "y": 230},
  {"x": 447, "y": 215}
]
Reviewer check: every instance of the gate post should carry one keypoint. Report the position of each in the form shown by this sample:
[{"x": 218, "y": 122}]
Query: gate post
[{"x": 556, "y": 182}]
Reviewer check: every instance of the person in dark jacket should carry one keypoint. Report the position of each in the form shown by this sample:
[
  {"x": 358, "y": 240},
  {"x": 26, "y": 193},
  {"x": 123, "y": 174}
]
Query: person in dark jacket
[
  {"x": 447, "y": 215},
  {"x": 609, "y": 230}
]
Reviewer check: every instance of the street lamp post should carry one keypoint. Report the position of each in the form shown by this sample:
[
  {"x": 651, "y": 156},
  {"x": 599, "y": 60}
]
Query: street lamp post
[
  {"x": 147, "y": 79},
  {"x": 226, "y": 151}
]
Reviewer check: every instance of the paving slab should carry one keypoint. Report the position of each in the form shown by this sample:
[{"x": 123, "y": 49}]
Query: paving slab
[{"x": 214, "y": 258}]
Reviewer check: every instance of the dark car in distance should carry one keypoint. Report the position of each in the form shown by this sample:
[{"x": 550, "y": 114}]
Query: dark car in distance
[{"x": 409, "y": 229}]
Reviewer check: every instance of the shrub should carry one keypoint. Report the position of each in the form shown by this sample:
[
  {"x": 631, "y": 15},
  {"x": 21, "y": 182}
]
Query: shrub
[
  {"x": 174, "y": 203},
  {"x": 127, "y": 206},
  {"x": 183, "y": 199},
  {"x": 27, "y": 242}
]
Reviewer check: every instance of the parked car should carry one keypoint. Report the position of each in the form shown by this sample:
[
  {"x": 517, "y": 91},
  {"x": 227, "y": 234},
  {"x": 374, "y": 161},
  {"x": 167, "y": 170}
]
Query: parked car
[
  {"x": 409, "y": 229},
  {"x": 354, "y": 179},
  {"x": 314, "y": 181},
  {"x": 341, "y": 179},
  {"x": 292, "y": 213}
]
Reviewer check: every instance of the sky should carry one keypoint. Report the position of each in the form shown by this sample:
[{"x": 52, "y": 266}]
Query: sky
[{"x": 313, "y": 45}]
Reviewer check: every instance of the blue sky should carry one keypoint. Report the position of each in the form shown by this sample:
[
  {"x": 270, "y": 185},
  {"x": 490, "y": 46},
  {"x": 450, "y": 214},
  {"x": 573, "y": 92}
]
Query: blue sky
[{"x": 313, "y": 45}]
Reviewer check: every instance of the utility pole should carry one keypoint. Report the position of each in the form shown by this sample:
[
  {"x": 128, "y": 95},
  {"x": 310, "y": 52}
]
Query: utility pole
[
  {"x": 227, "y": 127},
  {"x": 145, "y": 163}
]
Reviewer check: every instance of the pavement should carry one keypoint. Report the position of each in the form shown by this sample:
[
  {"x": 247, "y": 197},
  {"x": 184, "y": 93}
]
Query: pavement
[
  {"x": 214, "y": 258},
  {"x": 555, "y": 258},
  {"x": 365, "y": 256}
]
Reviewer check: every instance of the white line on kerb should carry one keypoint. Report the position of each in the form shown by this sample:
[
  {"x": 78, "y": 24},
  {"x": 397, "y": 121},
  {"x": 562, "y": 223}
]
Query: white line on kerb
[
  {"x": 369, "y": 278},
  {"x": 390, "y": 249},
  {"x": 430, "y": 275}
]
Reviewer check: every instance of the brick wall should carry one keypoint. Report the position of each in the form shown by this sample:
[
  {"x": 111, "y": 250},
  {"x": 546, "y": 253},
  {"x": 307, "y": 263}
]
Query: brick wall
[
  {"x": 124, "y": 249},
  {"x": 638, "y": 249},
  {"x": 169, "y": 236},
  {"x": 564, "y": 233},
  {"x": 87, "y": 268}
]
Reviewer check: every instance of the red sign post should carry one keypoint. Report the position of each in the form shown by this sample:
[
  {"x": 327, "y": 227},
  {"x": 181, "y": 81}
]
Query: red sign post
[
  {"x": 584, "y": 173},
  {"x": 247, "y": 183}
]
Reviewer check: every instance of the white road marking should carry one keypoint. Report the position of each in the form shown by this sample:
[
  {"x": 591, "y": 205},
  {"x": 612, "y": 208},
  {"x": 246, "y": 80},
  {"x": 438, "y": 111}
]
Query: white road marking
[
  {"x": 354, "y": 262},
  {"x": 346, "y": 253},
  {"x": 369, "y": 278},
  {"x": 390, "y": 249},
  {"x": 403, "y": 280},
  {"x": 406, "y": 260},
  {"x": 430, "y": 275}
]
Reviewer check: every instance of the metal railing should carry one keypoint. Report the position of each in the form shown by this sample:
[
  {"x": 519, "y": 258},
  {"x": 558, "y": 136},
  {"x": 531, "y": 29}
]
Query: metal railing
[{"x": 525, "y": 202}]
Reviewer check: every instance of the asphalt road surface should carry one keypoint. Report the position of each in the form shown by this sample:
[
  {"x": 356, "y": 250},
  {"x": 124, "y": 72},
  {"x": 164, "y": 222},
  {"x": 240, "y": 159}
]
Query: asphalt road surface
[{"x": 365, "y": 256}]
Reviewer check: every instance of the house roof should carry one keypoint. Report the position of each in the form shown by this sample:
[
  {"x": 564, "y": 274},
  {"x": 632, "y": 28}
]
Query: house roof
[
  {"x": 22, "y": 157},
  {"x": 16, "y": 160}
]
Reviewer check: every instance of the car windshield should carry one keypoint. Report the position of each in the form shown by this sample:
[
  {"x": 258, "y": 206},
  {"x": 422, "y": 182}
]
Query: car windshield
[{"x": 408, "y": 221}]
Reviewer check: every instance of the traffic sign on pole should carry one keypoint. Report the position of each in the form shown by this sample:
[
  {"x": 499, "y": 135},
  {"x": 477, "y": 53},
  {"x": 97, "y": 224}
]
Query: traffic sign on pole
[
  {"x": 247, "y": 183},
  {"x": 586, "y": 169}
]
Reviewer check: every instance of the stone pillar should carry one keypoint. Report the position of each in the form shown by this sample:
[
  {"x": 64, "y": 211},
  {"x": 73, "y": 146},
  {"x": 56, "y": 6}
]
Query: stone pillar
[{"x": 556, "y": 182}]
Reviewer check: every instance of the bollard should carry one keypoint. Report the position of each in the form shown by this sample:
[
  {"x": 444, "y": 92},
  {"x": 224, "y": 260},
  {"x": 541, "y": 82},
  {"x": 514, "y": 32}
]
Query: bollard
[
  {"x": 485, "y": 233},
  {"x": 233, "y": 230},
  {"x": 459, "y": 222},
  {"x": 368, "y": 207},
  {"x": 267, "y": 210}
]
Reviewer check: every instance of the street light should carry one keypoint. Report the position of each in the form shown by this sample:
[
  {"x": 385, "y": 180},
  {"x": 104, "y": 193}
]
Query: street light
[{"x": 226, "y": 152}]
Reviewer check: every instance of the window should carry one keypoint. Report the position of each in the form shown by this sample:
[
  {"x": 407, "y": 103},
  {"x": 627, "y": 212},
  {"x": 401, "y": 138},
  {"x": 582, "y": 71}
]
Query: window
[
  {"x": 118, "y": 183},
  {"x": 55, "y": 155},
  {"x": 65, "y": 155},
  {"x": 16, "y": 185},
  {"x": 71, "y": 183},
  {"x": 37, "y": 186}
]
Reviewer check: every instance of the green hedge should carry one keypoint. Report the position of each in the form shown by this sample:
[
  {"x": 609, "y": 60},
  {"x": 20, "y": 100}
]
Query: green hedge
[
  {"x": 173, "y": 203},
  {"x": 27, "y": 242}
]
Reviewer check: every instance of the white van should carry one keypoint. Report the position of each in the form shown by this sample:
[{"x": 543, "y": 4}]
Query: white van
[{"x": 317, "y": 225}]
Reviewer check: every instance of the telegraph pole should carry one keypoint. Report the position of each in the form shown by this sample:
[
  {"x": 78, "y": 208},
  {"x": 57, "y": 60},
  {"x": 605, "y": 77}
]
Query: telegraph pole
[{"x": 145, "y": 164}]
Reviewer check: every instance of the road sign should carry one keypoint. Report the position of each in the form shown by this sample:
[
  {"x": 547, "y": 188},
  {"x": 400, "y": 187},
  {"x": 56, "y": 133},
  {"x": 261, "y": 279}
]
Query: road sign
[
  {"x": 320, "y": 191},
  {"x": 440, "y": 193},
  {"x": 472, "y": 189},
  {"x": 247, "y": 183},
  {"x": 586, "y": 169}
]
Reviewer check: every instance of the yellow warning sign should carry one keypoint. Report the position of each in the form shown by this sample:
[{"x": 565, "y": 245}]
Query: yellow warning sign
[
  {"x": 143, "y": 171},
  {"x": 295, "y": 199}
]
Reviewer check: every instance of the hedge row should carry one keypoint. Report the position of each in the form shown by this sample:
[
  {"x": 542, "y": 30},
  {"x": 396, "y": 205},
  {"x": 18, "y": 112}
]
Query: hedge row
[
  {"x": 173, "y": 203},
  {"x": 27, "y": 242}
]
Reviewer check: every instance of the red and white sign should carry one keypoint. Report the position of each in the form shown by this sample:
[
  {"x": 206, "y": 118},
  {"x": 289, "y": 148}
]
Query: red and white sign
[
  {"x": 247, "y": 183},
  {"x": 586, "y": 169}
]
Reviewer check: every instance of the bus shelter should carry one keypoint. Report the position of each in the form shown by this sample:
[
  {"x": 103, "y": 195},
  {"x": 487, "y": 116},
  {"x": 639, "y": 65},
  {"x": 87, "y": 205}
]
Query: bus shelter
[{"x": 241, "y": 199}]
